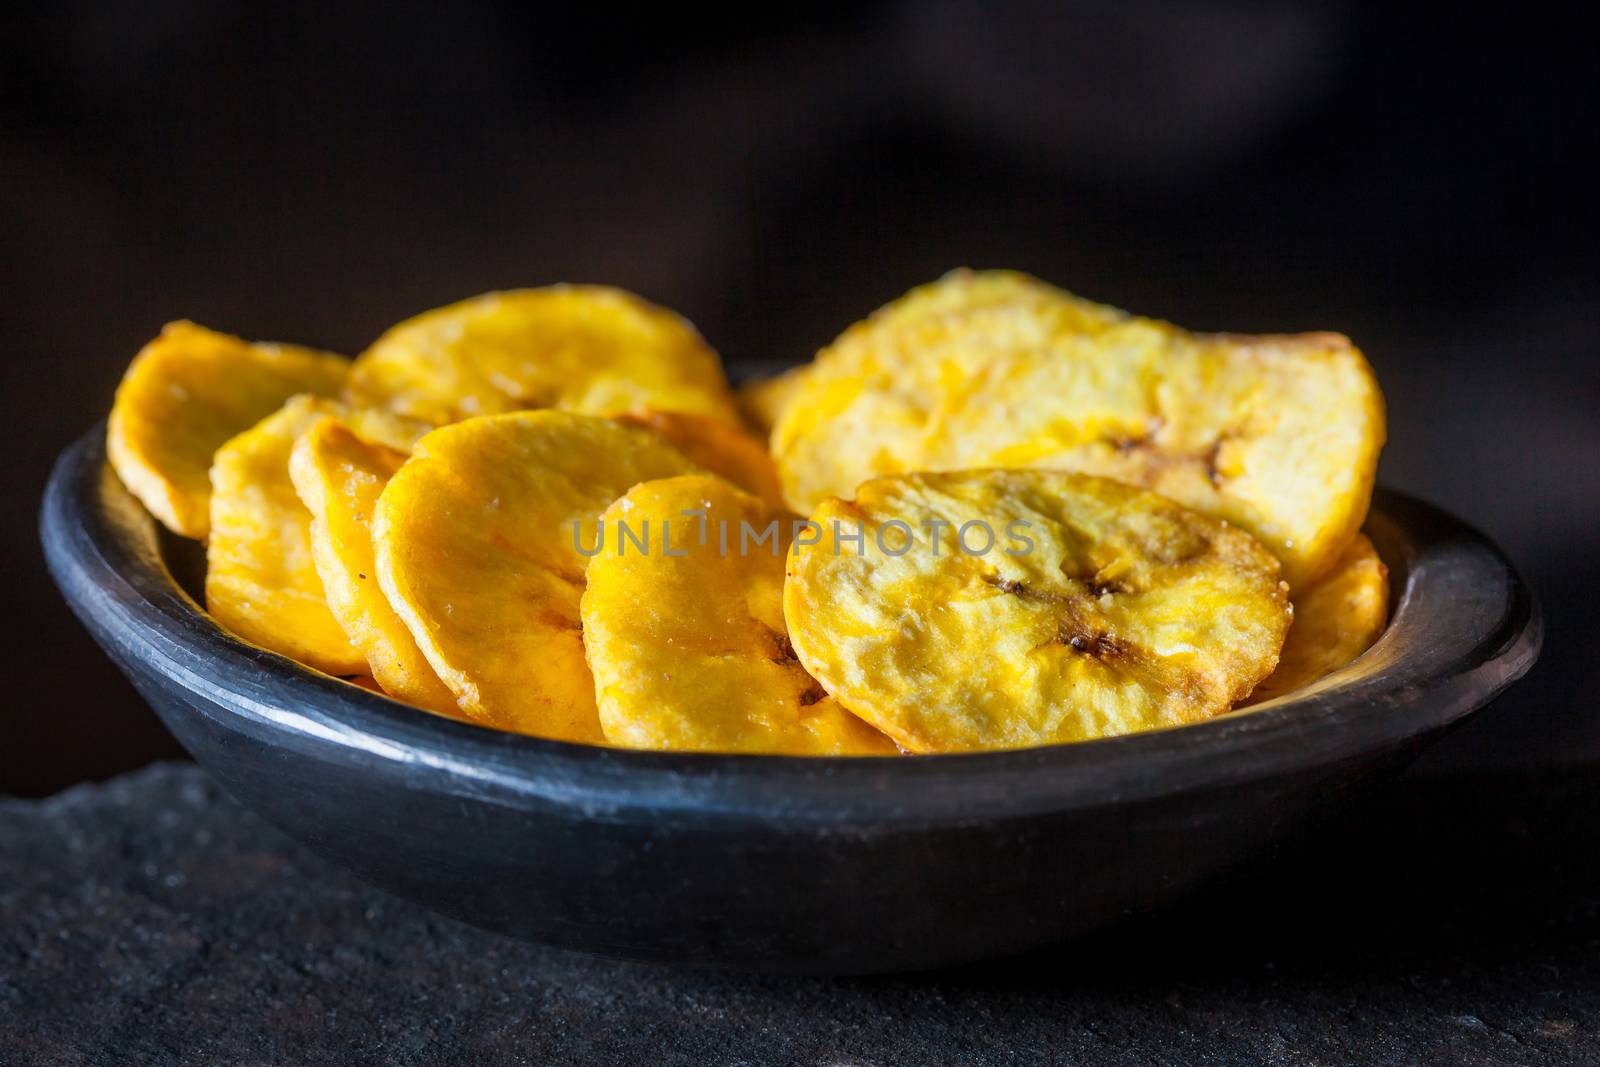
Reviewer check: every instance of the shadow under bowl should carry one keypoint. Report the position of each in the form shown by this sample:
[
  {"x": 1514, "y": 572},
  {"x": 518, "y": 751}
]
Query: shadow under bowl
[{"x": 778, "y": 863}]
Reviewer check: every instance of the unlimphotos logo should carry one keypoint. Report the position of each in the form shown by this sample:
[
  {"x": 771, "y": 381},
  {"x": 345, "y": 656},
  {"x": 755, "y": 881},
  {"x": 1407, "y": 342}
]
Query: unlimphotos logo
[{"x": 892, "y": 538}]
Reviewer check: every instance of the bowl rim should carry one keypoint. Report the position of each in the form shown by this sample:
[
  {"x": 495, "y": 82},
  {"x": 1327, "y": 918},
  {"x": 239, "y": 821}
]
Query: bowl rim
[{"x": 1463, "y": 627}]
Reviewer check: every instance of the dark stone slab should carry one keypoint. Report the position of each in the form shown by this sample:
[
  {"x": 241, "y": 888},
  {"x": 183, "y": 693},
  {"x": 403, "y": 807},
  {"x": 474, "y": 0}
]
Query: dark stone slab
[{"x": 151, "y": 920}]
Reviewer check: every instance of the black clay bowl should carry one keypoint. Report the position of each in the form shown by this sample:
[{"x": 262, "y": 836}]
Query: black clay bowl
[{"x": 823, "y": 865}]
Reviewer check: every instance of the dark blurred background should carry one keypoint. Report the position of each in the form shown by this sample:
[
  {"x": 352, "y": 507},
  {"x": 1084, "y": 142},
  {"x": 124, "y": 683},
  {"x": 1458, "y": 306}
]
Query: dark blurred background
[{"x": 1422, "y": 184}]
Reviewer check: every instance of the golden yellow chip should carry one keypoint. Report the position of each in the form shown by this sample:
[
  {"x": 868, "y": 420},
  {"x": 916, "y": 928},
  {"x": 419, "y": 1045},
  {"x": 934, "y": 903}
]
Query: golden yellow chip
[
  {"x": 720, "y": 447},
  {"x": 261, "y": 579},
  {"x": 1335, "y": 620},
  {"x": 480, "y": 542},
  {"x": 762, "y": 400},
  {"x": 339, "y": 477},
  {"x": 1277, "y": 435},
  {"x": 685, "y": 634},
  {"x": 185, "y": 394},
  {"x": 1002, "y": 609},
  {"x": 589, "y": 349},
  {"x": 261, "y": 582}
]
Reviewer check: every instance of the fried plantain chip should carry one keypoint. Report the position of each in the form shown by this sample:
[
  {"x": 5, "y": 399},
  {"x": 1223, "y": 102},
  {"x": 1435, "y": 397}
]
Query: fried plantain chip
[
  {"x": 1336, "y": 619},
  {"x": 762, "y": 400},
  {"x": 586, "y": 348},
  {"x": 1002, "y": 609},
  {"x": 184, "y": 395},
  {"x": 261, "y": 582},
  {"x": 686, "y": 637},
  {"x": 1277, "y": 435},
  {"x": 478, "y": 540},
  {"x": 339, "y": 477},
  {"x": 720, "y": 447}
]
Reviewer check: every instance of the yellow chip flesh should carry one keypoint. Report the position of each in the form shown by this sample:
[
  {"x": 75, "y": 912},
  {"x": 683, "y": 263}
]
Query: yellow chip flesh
[
  {"x": 1277, "y": 435},
  {"x": 477, "y": 553},
  {"x": 686, "y": 636},
  {"x": 1096, "y": 609},
  {"x": 184, "y": 395},
  {"x": 261, "y": 578},
  {"x": 762, "y": 400},
  {"x": 720, "y": 447},
  {"x": 589, "y": 349},
  {"x": 339, "y": 477},
  {"x": 1336, "y": 619},
  {"x": 261, "y": 582}
]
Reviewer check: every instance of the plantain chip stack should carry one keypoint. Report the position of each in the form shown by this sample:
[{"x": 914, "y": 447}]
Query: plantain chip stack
[
  {"x": 991, "y": 515},
  {"x": 339, "y": 477},
  {"x": 1277, "y": 435},
  {"x": 686, "y": 634},
  {"x": 261, "y": 576},
  {"x": 479, "y": 542}
]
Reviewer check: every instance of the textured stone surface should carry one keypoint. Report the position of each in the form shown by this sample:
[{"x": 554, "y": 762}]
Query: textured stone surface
[{"x": 151, "y": 920}]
